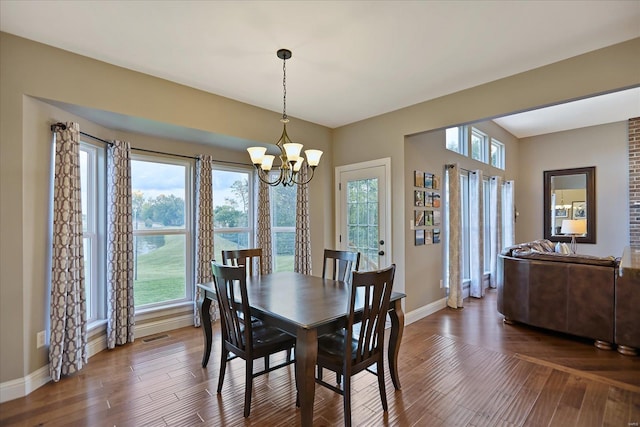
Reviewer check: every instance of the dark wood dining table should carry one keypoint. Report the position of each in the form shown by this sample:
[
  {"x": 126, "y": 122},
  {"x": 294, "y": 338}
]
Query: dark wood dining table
[{"x": 304, "y": 306}]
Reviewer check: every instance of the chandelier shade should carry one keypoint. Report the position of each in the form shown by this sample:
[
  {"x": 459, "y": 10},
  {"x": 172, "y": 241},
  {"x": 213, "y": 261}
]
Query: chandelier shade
[{"x": 291, "y": 160}]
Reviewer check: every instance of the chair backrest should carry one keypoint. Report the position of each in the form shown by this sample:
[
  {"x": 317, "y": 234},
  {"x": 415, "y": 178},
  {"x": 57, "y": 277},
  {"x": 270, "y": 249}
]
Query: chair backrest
[
  {"x": 341, "y": 264},
  {"x": 373, "y": 290},
  {"x": 232, "y": 301},
  {"x": 251, "y": 258}
]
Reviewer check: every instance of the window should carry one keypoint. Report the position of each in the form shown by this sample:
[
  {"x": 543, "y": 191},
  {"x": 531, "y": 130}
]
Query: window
[
  {"x": 479, "y": 145},
  {"x": 232, "y": 209},
  {"x": 283, "y": 226},
  {"x": 497, "y": 153},
  {"x": 92, "y": 187},
  {"x": 161, "y": 202},
  {"x": 456, "y": 139}
]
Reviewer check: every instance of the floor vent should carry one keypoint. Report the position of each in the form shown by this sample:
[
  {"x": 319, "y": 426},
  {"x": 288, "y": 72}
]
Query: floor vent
[{"x": 155, "y": 338}]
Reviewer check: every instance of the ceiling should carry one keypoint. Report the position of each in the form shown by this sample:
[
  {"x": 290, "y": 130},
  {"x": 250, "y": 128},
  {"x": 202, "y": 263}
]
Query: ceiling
[{"x": 351, "y": 59}]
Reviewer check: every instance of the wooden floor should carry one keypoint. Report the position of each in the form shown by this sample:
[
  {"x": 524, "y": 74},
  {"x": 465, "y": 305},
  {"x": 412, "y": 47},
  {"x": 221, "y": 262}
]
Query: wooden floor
[{"x": 457, "y": 367}]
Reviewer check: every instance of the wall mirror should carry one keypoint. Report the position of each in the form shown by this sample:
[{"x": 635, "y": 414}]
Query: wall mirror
[{"x": 570, "y": 194}]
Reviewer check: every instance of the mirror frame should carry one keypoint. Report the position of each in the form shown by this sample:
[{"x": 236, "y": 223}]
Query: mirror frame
[{"x": 590, "y": 173}]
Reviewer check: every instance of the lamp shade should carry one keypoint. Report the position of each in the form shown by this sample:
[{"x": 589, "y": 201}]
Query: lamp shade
[{"x": 574, "y": 226}]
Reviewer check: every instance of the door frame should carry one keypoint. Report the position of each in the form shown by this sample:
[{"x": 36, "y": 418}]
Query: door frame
[{"x": 386, "y": 164}]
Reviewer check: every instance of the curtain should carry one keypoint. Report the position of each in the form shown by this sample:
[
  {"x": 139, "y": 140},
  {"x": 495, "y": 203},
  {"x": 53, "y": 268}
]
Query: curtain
[
  {"x": 495, "y": 226},
  {"x": 263, "y": 225},
  {"x": 120, "y": 304},
  {"x": 509, "y": 214},
  {"x": 68, "y": 314},
  {"x": 476, "y": 232},
  {"x": 302, "y": 258},
  {"x": 204, "y": 231},
  {"x": 454, "y": 238}
]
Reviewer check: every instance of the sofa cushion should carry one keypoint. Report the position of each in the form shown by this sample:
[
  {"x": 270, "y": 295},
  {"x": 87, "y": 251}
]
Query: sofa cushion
[{"x": 560, "y": 257}]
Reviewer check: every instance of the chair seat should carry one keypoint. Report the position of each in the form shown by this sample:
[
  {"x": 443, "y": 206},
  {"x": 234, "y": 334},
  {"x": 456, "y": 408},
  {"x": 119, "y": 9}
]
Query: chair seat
[
  {"x": 268, "y": 335},
  {"x": 331, "y": 346}
]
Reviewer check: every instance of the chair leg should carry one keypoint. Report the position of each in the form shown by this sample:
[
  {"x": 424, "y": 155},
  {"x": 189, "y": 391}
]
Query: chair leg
[
  {"x": 320, "y": 372},
  {"x": 381, "y": 386},
  {"x": 346, "y": 392},
  {"x": 338, "y": 378},
  {"x": 266, "y": 362},
  {"x": 247, "y": 387},
  {"x": 223, "y": 368}
]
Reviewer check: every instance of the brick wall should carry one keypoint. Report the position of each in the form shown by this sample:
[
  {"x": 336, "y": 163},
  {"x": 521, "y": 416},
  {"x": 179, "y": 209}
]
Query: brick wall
[{"x": 634, "y": 181}]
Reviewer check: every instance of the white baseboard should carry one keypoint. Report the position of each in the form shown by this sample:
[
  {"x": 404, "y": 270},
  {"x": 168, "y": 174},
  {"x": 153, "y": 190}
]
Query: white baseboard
[
  {"x": 424, "y": 311},
  {"x": 21, "y": 387}
]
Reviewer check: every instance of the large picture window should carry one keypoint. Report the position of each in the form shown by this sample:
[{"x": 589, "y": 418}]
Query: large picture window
[{"x": 161, "y": 193}]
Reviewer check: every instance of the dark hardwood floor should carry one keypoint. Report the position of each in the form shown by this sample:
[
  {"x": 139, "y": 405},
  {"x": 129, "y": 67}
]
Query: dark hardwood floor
[{"x": 457, "y": 367}]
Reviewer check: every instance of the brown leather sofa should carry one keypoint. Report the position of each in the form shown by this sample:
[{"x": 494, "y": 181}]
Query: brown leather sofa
[{"x": 572, "y": 294}]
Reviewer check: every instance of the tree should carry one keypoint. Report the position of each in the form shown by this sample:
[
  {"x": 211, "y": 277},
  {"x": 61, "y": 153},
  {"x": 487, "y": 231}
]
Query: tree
[
  {"x": 166, "y": 210},
  {"x": 227, "y": 216}
]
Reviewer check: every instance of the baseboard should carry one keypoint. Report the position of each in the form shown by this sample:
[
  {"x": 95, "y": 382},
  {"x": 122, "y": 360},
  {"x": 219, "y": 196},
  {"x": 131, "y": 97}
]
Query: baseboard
[
  {"x": 21, "y": 387},
  {"x": 424, "y": 311},
  {"x": 163, "y": 325}
]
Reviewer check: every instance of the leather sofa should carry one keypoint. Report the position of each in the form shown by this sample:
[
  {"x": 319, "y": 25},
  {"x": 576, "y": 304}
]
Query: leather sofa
[{"x": 572, "y": 294}]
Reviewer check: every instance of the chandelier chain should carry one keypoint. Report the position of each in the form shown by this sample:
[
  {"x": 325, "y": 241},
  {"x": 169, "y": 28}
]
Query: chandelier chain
[{"x": 284, "y": 89}]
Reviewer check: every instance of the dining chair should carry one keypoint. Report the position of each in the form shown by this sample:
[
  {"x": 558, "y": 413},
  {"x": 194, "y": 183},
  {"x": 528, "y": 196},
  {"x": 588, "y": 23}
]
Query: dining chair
[
  {"x": 252, "y": 258},
  {"x": 245, "y": 340},
  {"x": 340, "y": 264},
  {"x": 347, "y": 353}
]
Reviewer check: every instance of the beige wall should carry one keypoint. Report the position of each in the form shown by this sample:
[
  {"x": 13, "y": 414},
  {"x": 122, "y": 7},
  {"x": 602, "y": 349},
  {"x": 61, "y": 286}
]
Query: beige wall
[
  {"x": 30, "y": 70},
  {"x": 35, "y": 70},
  {"x": 426, "y": 152},
  {"x": 604, "y": 147},
  {"x": 603, "y": 70}
]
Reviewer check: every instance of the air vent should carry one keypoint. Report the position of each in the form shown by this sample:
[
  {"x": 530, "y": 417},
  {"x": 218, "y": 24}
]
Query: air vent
[{"x": 155, "y": 338}]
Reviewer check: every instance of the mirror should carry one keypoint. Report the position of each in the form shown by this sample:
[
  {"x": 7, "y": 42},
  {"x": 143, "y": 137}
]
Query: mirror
[{"x": 570, "y": 194}]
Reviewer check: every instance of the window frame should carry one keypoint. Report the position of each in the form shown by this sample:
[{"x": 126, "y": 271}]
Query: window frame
[
  {"x": 95, "y": 233},
  {"x": 278, "y": 229},
  {"x": 462, "y": 140},
  {"x": 250, "y": 229},
  {"x": 500, "y": 157},
  {"x": 187, "y": 230},
  {"x": 484, "y": 148}
]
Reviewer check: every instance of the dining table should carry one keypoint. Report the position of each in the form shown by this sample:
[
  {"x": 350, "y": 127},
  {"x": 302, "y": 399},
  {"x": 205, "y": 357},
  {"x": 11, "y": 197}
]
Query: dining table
[{"x": 305, "y": 307}]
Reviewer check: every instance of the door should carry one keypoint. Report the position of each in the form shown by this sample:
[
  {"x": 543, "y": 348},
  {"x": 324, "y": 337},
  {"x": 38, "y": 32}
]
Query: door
[{"x": 363, "y": 212}]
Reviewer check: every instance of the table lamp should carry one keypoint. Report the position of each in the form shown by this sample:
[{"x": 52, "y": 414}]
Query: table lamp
[{"x": 573, "y": 228}]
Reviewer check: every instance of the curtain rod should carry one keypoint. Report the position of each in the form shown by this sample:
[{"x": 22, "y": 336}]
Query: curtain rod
[{"x": 64, "y": 127}]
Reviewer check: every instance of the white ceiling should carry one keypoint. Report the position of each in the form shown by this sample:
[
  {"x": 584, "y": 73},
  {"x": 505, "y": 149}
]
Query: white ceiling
[{"x": 351, "y": 59}]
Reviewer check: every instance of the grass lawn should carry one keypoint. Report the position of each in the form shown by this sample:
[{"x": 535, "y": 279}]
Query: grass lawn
[{"x": 160, "y": 272}]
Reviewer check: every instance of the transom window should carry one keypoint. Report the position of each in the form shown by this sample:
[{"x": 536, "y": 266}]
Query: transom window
[{"x": 497, "y": 154}]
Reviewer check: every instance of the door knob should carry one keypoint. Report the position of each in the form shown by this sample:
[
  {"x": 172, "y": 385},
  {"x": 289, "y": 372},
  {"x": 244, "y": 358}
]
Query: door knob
[
  {"x": 381, "y": 242},
  {"x": 381, "y": 253}
]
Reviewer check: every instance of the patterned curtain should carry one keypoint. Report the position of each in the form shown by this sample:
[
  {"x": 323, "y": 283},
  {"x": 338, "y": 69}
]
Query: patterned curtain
[
  {"x": 120, "y": 304},
  {"x": 509, "y": 214},
  {"x": 204, "y": 231},
  {"x": 476, "y": 231},
  {"x": 68, "y": 338},
  {"x": 302, "y": 258},
  {"x": 454, "y": 238},
  {"x": 495, "y": 226},
  {"x": 263, "y": 225}
]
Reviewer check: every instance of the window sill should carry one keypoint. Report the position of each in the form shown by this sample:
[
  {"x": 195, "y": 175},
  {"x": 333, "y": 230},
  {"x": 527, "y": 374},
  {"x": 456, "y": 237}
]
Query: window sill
[{"x": 165, "y": 310}]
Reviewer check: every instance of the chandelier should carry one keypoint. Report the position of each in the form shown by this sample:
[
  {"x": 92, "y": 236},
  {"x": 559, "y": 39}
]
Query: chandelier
[{"x": 290, "y": 159}]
